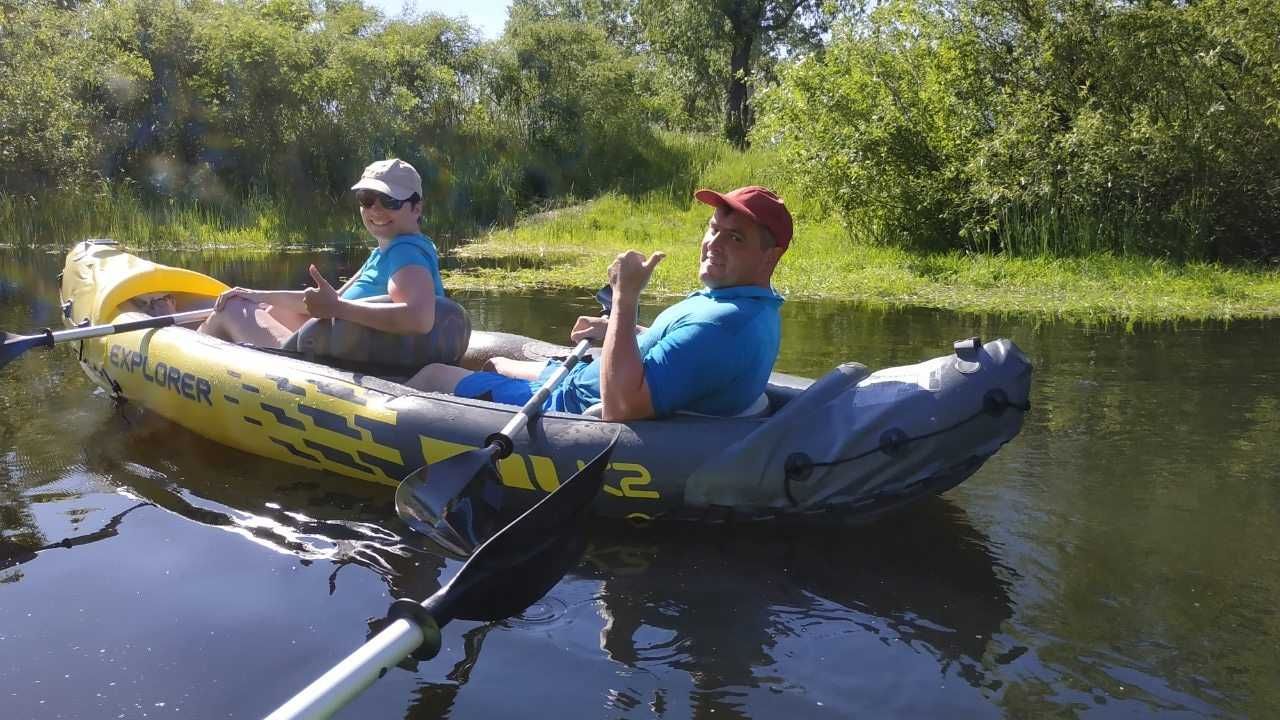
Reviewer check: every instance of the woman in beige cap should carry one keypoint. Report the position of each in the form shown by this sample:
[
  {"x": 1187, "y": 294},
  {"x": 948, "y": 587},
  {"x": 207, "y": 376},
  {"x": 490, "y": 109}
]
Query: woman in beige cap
[{"x": 405, "y": 265}]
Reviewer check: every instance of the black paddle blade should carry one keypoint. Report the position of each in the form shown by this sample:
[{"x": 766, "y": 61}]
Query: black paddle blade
[
  {"x": 11, "y": 346},
  {"x": 516, "y": 567},
  {"x": 604, "y": 296},
  {"x": 457, "y": 503}
]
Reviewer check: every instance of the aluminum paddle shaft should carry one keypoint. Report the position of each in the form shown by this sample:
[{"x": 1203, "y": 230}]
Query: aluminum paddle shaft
[
  {"x": 604, "y": 296},
  {"x": 458, "y": 502},
  {"x": 521, "y": 419},
  {"x": 12, "y": 346},
  {"x": 341, "y": 684}
]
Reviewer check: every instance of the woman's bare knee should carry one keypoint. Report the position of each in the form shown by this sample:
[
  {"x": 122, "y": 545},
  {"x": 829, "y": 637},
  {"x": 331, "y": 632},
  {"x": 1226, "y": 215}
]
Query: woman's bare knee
[
  {"x": 214, "y": 325},
  {"x": 245, "y": 321},
  {"x": 287, "y": 318}
]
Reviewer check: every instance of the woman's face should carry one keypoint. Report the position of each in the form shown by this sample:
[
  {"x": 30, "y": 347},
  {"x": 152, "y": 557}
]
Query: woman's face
[
  {"x": 163, "y": 305},
  {"x": 383, "y": 222},
  {"x": 155, "y": 305}
]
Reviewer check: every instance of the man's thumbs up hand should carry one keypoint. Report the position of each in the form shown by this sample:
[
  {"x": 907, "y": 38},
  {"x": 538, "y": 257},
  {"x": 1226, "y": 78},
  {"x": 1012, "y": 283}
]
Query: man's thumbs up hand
[{"x": 630, "y": 272}]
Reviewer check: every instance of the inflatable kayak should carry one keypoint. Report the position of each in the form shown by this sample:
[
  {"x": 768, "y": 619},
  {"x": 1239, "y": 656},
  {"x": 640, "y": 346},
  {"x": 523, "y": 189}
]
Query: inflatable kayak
[{"x": 852, "y": 442}]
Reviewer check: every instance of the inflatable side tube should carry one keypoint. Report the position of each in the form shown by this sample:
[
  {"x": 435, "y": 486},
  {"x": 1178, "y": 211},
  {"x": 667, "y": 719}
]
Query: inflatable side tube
[
  {"x": 353, "y": 345},
  {"x": 749, "y": 473},
  {"x": 486, "y": 345}
]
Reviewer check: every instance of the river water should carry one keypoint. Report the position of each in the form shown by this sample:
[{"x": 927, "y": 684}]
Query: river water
[{"x": 1120, "y": 558}]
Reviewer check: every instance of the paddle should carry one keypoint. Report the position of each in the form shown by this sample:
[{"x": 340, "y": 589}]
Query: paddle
[
  {"x": 457, "y": 502},
  {"x": 506, "y": 574},
  {"x": 14, "y": 345}
]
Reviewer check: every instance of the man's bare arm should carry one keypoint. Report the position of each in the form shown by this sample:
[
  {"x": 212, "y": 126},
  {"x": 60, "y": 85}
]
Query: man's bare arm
[{"x": 623, "y": 389}]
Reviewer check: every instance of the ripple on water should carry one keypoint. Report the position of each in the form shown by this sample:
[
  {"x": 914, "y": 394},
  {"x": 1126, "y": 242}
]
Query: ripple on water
[
  {"x": 547, "y": 611},
  {"x": 569, "y": 612}
]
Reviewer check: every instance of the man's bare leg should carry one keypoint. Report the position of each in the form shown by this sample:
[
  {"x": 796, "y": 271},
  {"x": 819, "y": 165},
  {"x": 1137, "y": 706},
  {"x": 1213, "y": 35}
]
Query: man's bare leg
[{"x": 518, "y": 369}]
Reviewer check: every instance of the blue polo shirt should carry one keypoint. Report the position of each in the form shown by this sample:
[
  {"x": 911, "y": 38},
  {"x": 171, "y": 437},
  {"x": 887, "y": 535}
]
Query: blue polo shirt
[
  {"x": 710, "y": 353},
  {"x": 373, "y": 276}
]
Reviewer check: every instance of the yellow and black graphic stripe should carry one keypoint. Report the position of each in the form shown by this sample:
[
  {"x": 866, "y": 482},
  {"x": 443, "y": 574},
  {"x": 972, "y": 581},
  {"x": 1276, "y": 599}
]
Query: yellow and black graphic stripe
[
  {"x": 338, "y": 390},
  {"x": 340, "y": 436}
]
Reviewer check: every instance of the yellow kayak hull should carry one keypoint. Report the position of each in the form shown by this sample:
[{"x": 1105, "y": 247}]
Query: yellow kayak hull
[{"x": 237, "y": 396}]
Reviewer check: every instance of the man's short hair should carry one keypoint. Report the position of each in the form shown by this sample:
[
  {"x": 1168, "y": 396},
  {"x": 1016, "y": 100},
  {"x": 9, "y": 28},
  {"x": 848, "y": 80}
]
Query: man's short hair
[{"x": 767, "y": 240}]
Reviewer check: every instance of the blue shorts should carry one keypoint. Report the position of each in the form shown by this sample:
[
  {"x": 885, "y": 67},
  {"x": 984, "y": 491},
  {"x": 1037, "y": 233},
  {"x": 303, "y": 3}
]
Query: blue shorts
[{"x": 495, "y": 388}]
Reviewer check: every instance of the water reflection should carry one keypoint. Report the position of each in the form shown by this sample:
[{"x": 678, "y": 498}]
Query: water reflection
[
  {"x": 310, "y": 515},
  {"x": 42, "y": 396},
  {"x": 928, "y": 580},
  {"x": 735, "y": 608},
  {"x": 314, "y": 517},
  {"x": 13, "y": 552}
]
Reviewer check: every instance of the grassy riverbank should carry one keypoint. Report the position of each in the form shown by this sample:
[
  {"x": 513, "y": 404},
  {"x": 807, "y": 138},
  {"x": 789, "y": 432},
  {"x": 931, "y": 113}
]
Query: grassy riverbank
[
  {"x": 61, "y": 219},
  {"x": 208, "y": 216},
  {"x": 572, "y": 248}
]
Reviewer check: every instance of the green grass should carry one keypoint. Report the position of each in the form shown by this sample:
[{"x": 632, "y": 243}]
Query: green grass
[
  {"x": 571, "y": 248},
  {"x": 61, "y": 219}
]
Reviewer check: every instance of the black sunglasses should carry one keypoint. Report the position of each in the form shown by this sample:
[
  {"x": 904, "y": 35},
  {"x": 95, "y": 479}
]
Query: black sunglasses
[{"x": 366, "y": 199}]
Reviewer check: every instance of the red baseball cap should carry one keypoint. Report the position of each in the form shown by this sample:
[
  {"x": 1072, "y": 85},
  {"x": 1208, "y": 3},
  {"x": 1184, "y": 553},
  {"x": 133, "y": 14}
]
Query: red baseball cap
[{"x": 758, "y": 203}]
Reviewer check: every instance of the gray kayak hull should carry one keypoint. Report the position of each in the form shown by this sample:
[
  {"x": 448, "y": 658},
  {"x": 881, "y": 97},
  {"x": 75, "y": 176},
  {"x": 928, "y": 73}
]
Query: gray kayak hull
[{"x": 852, "y": 443}]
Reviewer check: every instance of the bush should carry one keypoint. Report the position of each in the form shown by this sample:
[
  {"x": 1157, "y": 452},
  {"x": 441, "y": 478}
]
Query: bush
[
  {"x": 572, "y": 97},
  {"x": 1055, "y": 126},
  {"x": 205, "y": 104},
  {"x": 872, "y": 125}
]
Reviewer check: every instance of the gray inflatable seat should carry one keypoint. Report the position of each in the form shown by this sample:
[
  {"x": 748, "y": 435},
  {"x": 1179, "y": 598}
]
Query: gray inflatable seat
[
  {"x": 757, "y": 409},
  {"x": 338, "y": 342}
]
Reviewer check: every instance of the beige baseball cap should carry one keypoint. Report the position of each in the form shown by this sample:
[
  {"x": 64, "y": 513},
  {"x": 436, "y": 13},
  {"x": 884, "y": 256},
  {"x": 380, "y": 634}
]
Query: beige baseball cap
[{"x": 393, "y": 177}]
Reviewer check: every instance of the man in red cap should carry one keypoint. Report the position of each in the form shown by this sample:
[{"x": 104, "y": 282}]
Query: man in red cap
[{"x": 710, "y": 353}]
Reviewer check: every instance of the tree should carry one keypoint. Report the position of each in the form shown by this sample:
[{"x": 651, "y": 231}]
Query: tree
[
  {"x": 572, "y": 95},
  {"x": 734, "y": 42},
  {"x": 615, "y": 18},
  {"x": 708, "y": 53}
]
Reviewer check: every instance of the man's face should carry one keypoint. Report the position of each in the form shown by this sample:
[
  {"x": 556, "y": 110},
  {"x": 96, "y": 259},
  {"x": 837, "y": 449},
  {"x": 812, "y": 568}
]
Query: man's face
[
  {"x": 385, "y": 224},
  {"x": 732, "y": 252}
]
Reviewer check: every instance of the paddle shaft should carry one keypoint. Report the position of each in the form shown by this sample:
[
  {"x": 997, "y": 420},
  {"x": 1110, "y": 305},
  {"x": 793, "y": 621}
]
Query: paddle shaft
[
  {"x": 517, "y": 423},
  {"x": 94, "y": 331},
  {"x": 341, "y": 684},
  {"x": 526, "y": 554},
  {"x": 470, "y": 482},
  {"x": 15, "y": 345}
]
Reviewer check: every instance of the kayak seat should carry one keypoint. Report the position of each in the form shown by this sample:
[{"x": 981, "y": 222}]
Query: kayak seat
[
  {"x": 759, "y": 408},
  {"x": 191, "y": 290},
  {"x": 351, "y": 345}
]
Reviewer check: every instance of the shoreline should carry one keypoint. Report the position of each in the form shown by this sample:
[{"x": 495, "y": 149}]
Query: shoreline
[
  {"x": 573, "y": 249},
  {"x": 1029, "y": 303},
  {"x": 569, "y": 248}
]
